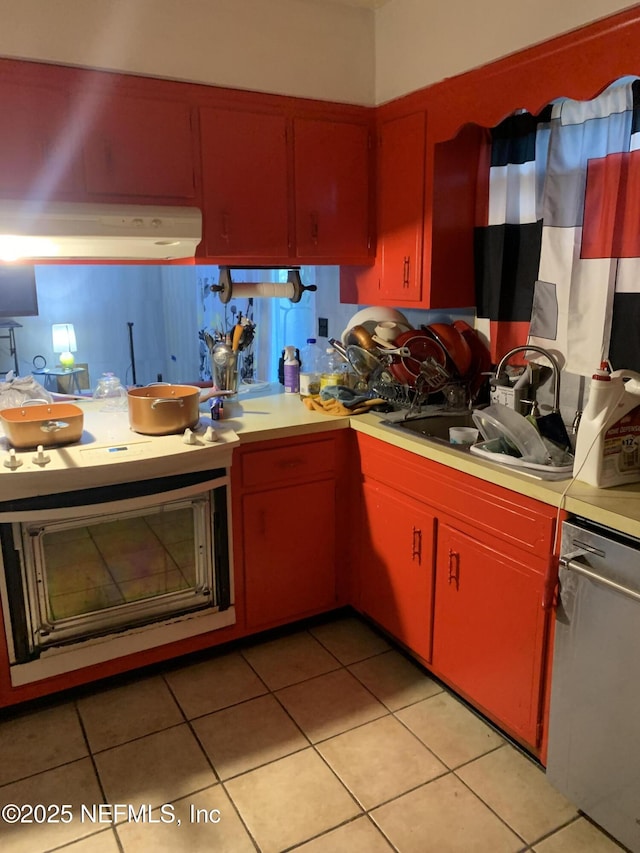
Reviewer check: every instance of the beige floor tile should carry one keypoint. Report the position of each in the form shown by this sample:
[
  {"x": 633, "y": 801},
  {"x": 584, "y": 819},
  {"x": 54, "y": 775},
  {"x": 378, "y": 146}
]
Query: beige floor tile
[
  {"x": 358, "y": 836},
  {"x": 114, "y": 716},
  {"x": 350, "y": 640},
  {"x": 70, "y": 573},
  {"x": 444, "y": 817},
  {"x": 208, "y": 823},
  {"x": 73, "y": 784},
  {"x": 380, "y": 760},
  {"x": 85, "y": 601},
  {"x": 214, "y": 684},
  {"x": 518, "y": 791},
  {"x": 155, "y": 769},
  {"x": 330, "y": 704},
  {"x": 40, "y": 740},
  {"x": 395, "y": 680},
  {"x": 289, "y": 660},
  {"x": 248, "y": 735},
  {"x": 454, "y": 733},
  {"x": 290, "y": 800},
  {"x": 579, "y": 837},
  {"x": 102, "y": 842}
]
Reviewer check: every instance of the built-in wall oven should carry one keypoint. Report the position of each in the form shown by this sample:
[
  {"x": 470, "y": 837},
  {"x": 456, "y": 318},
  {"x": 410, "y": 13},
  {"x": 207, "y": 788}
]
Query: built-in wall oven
[{"x": 121, "y": 563}]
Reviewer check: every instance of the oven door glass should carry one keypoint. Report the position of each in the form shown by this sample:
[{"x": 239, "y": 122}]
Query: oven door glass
[{"x": 91, "y": 575}]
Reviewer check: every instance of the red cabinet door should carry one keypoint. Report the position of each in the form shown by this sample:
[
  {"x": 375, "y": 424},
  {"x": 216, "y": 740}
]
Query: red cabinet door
[
  {"x": 138, "y": 147},
  {"x": 396, "y": 566},
  {"x": 401, "y": 206},
  {"x": 489, "y": 630},
  {"x": 245, "y": 184},
  {"x": 332, "y": 189},
  {"x": 289, "y": 552},
  {"x": 38, "y": 157}
]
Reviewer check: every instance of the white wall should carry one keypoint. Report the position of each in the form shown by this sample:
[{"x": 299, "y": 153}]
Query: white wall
[
  {"x": 295, "y": 47},
  {"x": 307, "y": 48},
  {"x": 419, "y": 42},
  {"x": 100, "y": 300}
]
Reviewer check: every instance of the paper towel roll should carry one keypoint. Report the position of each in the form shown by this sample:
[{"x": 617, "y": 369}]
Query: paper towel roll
[{"x": 274, "y": 290}]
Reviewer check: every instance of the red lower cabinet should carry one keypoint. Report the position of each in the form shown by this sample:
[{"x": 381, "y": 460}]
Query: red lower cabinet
[
  {"x": 396, "y": 565},
  {"x": 289, "y": 559},
  {"x": 490, "y": 630}
]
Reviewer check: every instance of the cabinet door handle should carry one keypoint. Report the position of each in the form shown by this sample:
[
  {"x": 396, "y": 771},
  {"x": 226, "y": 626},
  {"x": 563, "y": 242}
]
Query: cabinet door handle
[
  {"x": 454, "y": 568},
  {"x": 416, "y": 548},
  {"x": 314, "y": 229},
  {"x": 405, "y": 272}
]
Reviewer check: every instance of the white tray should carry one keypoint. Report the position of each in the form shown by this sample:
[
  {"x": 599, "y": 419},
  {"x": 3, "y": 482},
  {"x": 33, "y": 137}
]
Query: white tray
[{"x": 542, "y": 472}]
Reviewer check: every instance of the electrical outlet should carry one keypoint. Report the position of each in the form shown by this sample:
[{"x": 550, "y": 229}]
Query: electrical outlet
[
  {"x": 323, "y": 327},
  {"x": 506, "y": 396}
]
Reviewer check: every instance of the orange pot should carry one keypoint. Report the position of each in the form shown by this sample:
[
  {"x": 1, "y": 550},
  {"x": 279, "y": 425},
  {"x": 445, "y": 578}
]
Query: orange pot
[
  {"x": 48, "y": 424},
  {"x": 163, "y": 409}
]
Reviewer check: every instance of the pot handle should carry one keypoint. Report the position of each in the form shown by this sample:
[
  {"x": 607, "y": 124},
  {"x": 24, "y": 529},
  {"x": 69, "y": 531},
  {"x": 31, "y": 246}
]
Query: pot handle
[{"x": 159, "y": 400}]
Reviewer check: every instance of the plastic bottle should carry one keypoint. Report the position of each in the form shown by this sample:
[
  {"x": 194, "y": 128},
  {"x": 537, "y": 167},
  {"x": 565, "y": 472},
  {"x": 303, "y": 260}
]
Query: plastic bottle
[
  {"x": 291, "y": 371},
  {"x": 331, "y": 374},
  {"x": 608, "y": 442},
  {"x": 310, "y": 368}
]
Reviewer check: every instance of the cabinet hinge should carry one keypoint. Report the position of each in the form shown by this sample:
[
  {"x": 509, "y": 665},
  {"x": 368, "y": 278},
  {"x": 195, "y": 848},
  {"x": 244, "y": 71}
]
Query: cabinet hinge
[{"x": 539, "y": 730}]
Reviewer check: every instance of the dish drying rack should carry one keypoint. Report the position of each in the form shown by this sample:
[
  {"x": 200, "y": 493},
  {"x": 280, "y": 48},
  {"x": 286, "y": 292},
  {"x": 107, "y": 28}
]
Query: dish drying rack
[
  {"x": 428, "y": 381},
  {"x": 376, "y": 377}
]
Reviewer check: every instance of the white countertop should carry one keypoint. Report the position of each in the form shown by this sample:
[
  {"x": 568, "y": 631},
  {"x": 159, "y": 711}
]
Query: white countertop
[
  {"x": 279, "y": 415},
  {"x": 271, "y": 414}
]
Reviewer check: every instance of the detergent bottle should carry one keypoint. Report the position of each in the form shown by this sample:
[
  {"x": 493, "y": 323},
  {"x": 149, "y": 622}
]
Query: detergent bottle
[{"x": 608, "y": 442}]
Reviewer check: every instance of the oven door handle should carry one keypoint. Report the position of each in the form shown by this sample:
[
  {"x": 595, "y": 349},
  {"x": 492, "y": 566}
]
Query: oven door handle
[
  {"x": 61, "y": 513},
  {"x": 579, "y": 569}
]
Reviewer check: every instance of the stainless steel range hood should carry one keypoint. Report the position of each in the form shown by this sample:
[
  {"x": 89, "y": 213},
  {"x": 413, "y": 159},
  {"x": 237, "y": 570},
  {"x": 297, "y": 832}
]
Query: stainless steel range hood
[{"x": 66, "y": 230}]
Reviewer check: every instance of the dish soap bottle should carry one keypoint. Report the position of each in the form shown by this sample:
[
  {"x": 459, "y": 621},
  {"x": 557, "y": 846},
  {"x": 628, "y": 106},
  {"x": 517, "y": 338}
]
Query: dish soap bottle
[
  {"x": 608, "y": 441},
  {"x": 291, "y": 371}
]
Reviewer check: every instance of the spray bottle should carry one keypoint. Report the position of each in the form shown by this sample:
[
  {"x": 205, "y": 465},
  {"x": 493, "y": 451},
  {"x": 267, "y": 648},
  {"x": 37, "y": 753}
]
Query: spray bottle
[
  {"x": 291, "y": 371},
  {"x": 608, "y": 442}
]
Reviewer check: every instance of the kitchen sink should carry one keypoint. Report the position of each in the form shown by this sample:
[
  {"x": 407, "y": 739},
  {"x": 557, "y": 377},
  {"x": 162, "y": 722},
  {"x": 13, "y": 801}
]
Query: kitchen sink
[{"x": 435, "y": 427}]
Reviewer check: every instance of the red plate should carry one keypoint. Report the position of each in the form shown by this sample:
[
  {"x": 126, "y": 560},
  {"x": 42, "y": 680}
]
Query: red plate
[
  {"x": 421, "y": 346},
  {"x": 454, "y": 345}
]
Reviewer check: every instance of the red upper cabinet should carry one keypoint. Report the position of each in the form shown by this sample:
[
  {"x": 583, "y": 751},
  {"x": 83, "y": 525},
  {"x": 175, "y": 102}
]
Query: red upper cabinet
[
  {"x": 332, "y": 190},
  {"x": 426, "y": 218},
  {"x": 245, "y": 184},
  {"x": 38, "y": 157},
  {"x": 401, "y": 172},
  {"x": 137, "y": 147}
]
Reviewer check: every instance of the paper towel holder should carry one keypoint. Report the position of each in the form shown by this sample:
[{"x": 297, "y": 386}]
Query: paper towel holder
[{"x": 292, "y": 289}]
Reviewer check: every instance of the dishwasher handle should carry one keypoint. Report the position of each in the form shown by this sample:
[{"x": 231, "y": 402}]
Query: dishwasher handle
[{"x": 567, "y": 562}]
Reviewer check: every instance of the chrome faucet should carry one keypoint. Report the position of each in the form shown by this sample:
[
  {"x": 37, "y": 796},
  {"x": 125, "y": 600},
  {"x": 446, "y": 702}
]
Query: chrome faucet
[{"x": 554, "y": 366}]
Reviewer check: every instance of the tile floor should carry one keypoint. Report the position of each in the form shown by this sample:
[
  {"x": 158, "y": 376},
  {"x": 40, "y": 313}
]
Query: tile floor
[
  {"x": 323, "y": 740},
  {"x": 119, "y": 561}
]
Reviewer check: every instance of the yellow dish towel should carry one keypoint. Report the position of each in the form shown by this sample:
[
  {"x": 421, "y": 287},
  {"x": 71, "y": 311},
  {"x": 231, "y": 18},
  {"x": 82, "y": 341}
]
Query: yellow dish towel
[{"x": 333, "y": 407}]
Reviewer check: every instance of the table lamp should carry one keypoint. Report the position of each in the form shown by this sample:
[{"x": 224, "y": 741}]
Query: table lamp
[{"x": 64, "y": 342}]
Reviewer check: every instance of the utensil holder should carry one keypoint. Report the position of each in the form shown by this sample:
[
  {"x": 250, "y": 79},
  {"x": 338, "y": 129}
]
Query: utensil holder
[{"x": 224, "y": 369}]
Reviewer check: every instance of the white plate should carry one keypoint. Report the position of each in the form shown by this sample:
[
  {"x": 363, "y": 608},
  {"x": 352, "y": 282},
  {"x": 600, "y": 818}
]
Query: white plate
[
  {"x": 498, "y": 421},
  {"x": 370, "y": 317},
  {"x": 543, "y": 472}
]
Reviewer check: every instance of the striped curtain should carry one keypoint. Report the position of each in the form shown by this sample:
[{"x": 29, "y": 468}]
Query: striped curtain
[{"x": 557, "y": 260}]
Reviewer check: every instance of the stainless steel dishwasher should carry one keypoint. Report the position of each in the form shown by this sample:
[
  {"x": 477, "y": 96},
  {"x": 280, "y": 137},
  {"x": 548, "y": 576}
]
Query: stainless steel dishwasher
[{"x": 594, "y": 727}]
